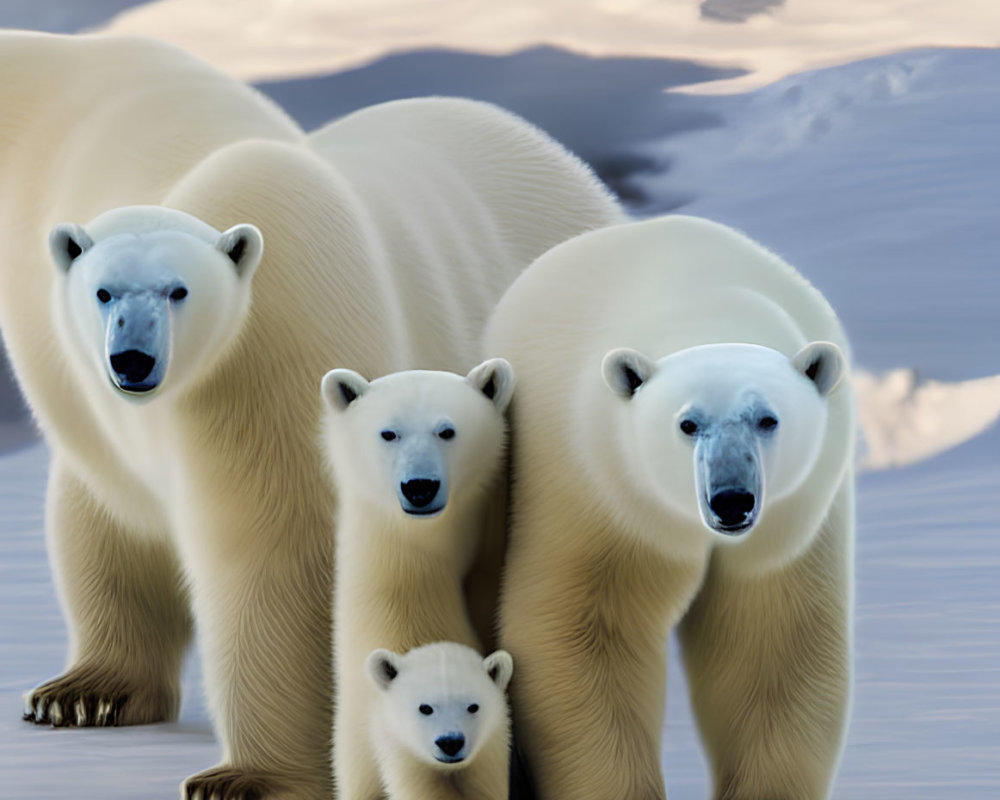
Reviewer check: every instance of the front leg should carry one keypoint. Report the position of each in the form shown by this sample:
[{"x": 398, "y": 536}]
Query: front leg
[
  {"x": 126, "y": 611},
  {"x": 588, "y": 637},
  {"x": 264, "y": 637},
  {"x": 768, "y": 665}
]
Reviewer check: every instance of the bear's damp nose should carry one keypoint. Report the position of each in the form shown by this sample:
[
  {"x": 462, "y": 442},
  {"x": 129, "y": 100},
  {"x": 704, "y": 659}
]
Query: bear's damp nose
[
  {"x": 732, "y": 506},
  {"x": 420, "y": 491},
  {"x": 132, "y": 366},
  {"x": 450, "y": 744}
]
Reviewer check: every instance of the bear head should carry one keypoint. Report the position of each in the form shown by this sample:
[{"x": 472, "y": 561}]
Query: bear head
[
  {"x": 443, "y": 701},
  {"x": 713, "y": 431},
  {"x": 153, "y": 295},
  {"x": 412, "y": 440}
]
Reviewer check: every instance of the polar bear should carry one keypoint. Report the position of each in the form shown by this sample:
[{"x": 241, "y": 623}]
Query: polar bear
[
  {"x": 415, "y": 457},
  {"x": 440, "y": 727},
  {"x": 196, "y": 493},
  {"x": 682, "y": 453}
]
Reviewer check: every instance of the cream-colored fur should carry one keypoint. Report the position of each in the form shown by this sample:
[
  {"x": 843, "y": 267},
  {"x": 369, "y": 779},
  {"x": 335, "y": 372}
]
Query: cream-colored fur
[
  {"x": 231, "y": 523},
  {"x": 447, "y": 677},
  {"x": 399, "y": 576},
  {"x": 600, "y": 567}
]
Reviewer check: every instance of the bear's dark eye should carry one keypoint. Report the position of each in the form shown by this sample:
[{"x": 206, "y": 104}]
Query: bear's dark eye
[
  {"x": 388, "y": 435},
  {"x": 473, "y": 708},
  {"x": 689, "y": 427},
  {"x": 447, "y": 433},
  {"x": 104, "y": 295},
  {"x": 767, "y": 423},
  {"x": 426, "y": 710},
  {"x": 179, "y": 293}
]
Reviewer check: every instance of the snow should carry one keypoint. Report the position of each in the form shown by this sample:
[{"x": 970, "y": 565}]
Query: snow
[
  {"x": 276, "y": 38},
  {"x": 880, "y": 180}
]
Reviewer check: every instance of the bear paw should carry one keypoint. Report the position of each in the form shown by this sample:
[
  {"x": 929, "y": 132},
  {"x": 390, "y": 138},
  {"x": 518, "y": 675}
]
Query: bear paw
[
  {"x": 92, "y": 697},
  {"x": 229, "y": 783}
]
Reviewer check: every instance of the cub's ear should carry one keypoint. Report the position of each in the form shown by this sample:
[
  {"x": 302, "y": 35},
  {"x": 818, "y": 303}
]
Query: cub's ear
[
  {"x": 821, "y": 362},
  {"x": 244, "y": 246},
  {"x": 382, "y": 666},
  {"x": 625, "y": 370},
  {"x": 67, "y": 242},
  {"x": 499, "y": 665},
  {"x": 341, "y": 387},
  {"x": 495, "y": 379}
]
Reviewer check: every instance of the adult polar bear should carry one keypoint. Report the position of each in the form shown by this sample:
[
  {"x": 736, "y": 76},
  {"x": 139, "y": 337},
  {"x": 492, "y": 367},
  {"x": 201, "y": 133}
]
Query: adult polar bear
[
  {"x": 713, "y": 486},
  {"x": 384, "y": 249}
]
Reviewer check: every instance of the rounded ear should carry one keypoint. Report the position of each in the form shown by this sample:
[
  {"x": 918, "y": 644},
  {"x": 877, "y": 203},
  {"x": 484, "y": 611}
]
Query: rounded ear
[
  {"x": 67, "y": 242},
  {"x": 821, "y": 362},
  {"x": 382, "y": 666},
  {"x": 625, "y": 370},
  {"x": 495, "y": 379},
  {"x": 244, "y": 246},
  {"x": 341, "y": 387},
  {"x": 499, "y": 665}
]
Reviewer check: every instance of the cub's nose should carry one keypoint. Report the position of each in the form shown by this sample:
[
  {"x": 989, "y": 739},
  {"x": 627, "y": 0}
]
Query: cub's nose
[
  {"x": 450, "y": 744},
  {"x": 132, "y": 366},
  {"x": 732, "y": 507},
  {"x": 420, "y": 491}
]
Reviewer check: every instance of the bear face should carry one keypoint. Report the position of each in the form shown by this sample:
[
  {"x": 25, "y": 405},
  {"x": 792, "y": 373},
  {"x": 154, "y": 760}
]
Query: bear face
[
  {"x": 441, "y": 702},
  {"x": 153, "y": 295},
  {"x": 716, "y": 429},
  {"x": 413, "y": 439}
]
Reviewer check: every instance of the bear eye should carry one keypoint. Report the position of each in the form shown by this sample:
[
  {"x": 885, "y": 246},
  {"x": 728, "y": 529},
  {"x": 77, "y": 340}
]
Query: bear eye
[
  {"x": 447, "y": 433},
  {"x": 689, "y": 427},
  {"x": 179, "y": 293},
  {"x": 388, "y": 435},
  {"x": 767, "y": 423},
  {"x": 426, "y": 710},
  {"x": 104, "y": 295},
  {"x": 473, "y": 708}
]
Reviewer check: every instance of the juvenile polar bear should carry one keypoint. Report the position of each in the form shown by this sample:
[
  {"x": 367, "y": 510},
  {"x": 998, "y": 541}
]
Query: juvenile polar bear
[
  {"x": 416, "y": 458},
  {"x": 197, "y": 490},
  {"x": 440, "y": 727},
  {"x": 682, "y": 451}
]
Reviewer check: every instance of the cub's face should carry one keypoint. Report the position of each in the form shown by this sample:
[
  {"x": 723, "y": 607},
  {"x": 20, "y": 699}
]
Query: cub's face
[
  {"x": 717, "y": 430},
  {"x": 442, "y": 702},
  {"x": 153, "y": 309},
  {"x": 417, "y": 440}
]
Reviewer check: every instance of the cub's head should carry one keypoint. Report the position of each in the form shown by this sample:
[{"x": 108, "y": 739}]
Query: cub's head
[
  {"x": 417, "y": 440},
  {"x": 152, "y": 295},
  {"x": 443, "y": 701},
  {"x": 716, "y": 431}
]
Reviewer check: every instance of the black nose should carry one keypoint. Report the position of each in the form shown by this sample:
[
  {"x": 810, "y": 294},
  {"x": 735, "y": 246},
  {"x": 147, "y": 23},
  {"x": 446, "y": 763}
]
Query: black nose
[
  {"x": 420, "y": 491},
  {"x": 132, "y": 366},
  {"x": 732, "y": 506},
  {"x": 451, "y": 744}
]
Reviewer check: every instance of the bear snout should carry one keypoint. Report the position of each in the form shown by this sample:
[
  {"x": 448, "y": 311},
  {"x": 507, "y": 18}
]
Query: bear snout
[
  {"x": 420, "y": 492},
  {"x": 451, "y": 745},
  {"x": 132, "y": 367},
  {"x": 733, "y": 508}
]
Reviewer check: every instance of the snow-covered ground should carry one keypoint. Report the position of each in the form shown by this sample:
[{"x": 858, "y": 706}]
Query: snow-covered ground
[{"x": 878, "y": 179}]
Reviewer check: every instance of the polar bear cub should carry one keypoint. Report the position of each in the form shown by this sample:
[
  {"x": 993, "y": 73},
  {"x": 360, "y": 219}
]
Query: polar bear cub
[
  {"x": 415, "y": 458},
  {"x": 441, "y": 726}
]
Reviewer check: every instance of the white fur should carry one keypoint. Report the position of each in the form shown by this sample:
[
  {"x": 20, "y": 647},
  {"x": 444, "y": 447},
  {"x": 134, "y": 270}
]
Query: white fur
[
  {"x": 609, "y": 546},
  {"x": 465, "y": 695},
  {"x": 387, "y": 238},
  {"x": 400, "y": 569}
]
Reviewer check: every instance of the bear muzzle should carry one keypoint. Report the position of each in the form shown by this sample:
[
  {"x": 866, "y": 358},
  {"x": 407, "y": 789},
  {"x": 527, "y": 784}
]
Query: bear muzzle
[{"x": 451, "y": 748}]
